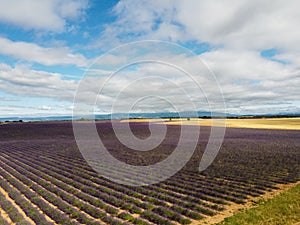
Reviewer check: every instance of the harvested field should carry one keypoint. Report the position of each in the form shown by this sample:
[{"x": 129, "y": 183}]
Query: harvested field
[{"x": 261, "y": 123}]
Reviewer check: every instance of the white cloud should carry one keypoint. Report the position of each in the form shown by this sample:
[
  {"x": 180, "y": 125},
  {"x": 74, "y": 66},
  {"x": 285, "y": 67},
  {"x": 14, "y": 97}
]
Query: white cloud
[
  {"x": 49, "y": 15},
  {"x": 110, "y": 60},
  {"x": 8, "y": 99},
  {"x": 237, "y": 30},
  {"x": 236, "y": 23},
  {"x": 244, "y": 85},
  {"x": 149, "y": 86},
  {"x": 35, "y": 53},
  {"x": 23, "y": 81},
  {"x": 45, "y": 107},
  {"x": 248, "y": 80}
]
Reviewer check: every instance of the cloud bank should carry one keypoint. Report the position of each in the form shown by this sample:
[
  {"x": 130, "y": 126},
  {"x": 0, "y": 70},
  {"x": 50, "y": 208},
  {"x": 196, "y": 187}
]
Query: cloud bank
[
  {"x": 48, "y": 15},
  {"x": 252, "y": 47}
]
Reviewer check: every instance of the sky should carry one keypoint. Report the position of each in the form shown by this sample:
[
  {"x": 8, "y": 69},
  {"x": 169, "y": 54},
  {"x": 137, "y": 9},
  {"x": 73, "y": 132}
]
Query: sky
[{"x": 48, "y": 48}]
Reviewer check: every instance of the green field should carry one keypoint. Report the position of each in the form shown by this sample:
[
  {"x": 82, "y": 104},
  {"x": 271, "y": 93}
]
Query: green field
[{"x": 283, "y": 209}]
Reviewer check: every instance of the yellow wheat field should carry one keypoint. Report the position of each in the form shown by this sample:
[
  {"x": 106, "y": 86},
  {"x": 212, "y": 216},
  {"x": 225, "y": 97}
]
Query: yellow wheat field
[{"x": 261, "y": 123}]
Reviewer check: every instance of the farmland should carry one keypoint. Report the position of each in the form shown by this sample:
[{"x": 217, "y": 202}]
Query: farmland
[
  {"x": 45, "y": 180},
  {"x": 257, "y": 123}
]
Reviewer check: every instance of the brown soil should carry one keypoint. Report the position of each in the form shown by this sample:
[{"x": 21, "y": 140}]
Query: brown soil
[
  {"x": 5, "y": 216},
  {"x": 15, "y": 205}
]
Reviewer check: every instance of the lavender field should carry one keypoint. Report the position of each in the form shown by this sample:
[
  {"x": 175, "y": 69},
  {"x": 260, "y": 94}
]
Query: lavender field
[{"x": 45, "y": 180}]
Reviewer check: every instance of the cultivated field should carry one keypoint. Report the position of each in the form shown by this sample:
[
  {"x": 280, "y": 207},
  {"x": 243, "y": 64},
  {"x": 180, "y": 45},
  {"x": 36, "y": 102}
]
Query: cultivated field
[
  {"x": 45, "y": 180},
  {"x": 258, "y": 123}
]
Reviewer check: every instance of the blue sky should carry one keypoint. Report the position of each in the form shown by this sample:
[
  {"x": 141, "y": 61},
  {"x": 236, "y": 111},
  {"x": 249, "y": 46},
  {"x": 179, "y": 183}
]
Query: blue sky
[{"x": 47, "y": 46}]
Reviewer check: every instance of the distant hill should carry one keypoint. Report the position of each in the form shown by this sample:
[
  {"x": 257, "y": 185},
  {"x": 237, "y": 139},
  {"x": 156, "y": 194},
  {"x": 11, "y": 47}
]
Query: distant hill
[
  {"x": 200, "y": 114},
  {"x": 117, "y": 116}
]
